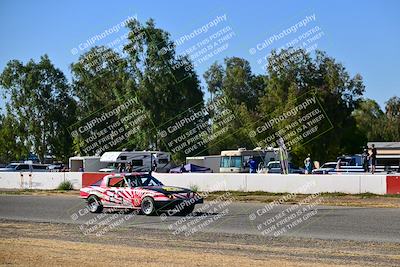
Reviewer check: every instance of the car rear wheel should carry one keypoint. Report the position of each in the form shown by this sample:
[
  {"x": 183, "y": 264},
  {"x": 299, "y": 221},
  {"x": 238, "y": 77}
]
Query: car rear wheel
[
  {"x": 94, "y": 204},
  {"x": 148, "y": 207}
]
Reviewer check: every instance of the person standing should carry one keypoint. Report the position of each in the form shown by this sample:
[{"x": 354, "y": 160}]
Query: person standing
[
  {"x": 373, "y": 158},
  {"x": 129, "y": 168},
  {"x": 154, "y": 165},
  {"x": 365, "y": 159},
  {"x": 253, "y": 165},
  {"x": 183, "y": 169},
  {"x": 308, "y": 164},
  {"x": 120, "y": 168}
]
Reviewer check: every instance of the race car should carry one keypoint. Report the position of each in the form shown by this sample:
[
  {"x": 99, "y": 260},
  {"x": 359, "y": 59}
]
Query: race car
[{"x": 138, "y": 191}]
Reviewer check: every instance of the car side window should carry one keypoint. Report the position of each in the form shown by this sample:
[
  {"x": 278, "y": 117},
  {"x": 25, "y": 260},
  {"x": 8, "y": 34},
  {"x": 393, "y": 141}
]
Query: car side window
[
  {"x": 22, "y": 167},
  {"x": 116, "y": 182},
  {"x": 134, "y": 182},
  {"x": 39, "y": 167}
]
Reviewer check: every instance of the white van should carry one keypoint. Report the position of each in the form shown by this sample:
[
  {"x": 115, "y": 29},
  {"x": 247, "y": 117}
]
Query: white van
[{"x": 25, "y": 167}]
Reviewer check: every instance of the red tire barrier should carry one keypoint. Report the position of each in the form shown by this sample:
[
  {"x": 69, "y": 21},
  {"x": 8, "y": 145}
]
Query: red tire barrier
[{"x": 393, "y": 184}]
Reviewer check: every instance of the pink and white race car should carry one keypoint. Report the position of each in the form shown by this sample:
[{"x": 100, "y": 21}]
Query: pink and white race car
[{"x": 139, "y": 191}]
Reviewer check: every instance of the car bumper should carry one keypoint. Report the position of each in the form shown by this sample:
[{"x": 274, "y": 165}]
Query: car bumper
[{"x": 173, "y": 204}]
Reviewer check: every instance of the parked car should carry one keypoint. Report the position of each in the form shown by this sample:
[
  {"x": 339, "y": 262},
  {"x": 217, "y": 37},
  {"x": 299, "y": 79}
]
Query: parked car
[
  {"x": 138, "y": 191},
  {"x": 275, "y": 167},
  {"x": 56, "y": 167},
  {"x": 325, "y": 168},
  {"x": 24, "y": 167}
]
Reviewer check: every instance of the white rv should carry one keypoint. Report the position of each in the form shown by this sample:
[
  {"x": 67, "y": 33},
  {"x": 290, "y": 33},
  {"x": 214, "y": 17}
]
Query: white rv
[{"x": 141, "y": 161}]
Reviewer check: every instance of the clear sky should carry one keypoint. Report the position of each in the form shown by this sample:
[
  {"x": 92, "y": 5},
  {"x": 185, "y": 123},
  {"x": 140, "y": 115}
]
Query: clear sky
[{"x": 363, "y": 35}]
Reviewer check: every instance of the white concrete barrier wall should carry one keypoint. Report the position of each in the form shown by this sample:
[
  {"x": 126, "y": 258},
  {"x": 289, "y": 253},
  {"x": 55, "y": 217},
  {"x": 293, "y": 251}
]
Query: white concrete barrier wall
[
  {"x": 38, "y": 180},
  {"x": 10, "y": 180},
  {"x": 292, "y": 183},
  {"x": 75, "y": 178}
]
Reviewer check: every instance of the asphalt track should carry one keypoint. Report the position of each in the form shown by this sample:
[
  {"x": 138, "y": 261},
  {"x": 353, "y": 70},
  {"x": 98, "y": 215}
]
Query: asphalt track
[{"x": 322, "y": 222}]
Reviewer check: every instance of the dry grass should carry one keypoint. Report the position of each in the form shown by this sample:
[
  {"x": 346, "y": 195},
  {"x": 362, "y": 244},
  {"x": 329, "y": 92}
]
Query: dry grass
[
  {"x": 45, "y": 244},
  {"x": 42, "y": 252}
]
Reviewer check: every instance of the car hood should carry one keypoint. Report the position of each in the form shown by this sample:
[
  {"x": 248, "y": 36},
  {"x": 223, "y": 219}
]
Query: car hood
[{"x": 164, "y": 189}]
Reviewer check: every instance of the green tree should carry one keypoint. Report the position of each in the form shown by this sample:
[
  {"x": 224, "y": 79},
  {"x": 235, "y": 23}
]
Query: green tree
[
  {"x": 370, "y": 120},
  {"x": 12, "y": 147},
  {"x": 239, "y": 84},
  {"x": 100, "y": 77},
  {"x": 41, "y": 103},
  {"x": 392, "y": 112},
  {"x": 167, "y": 83},
  {"x": 214, "y": 79},
  {"x": 241, "y": 89},
  {"x": 292, "y": 73}
]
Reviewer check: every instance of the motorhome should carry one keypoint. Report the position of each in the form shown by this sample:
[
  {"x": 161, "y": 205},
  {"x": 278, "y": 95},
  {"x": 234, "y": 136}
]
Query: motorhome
[
  {"x": 141, "y": 161},
  {"x": 237, "y": 160}
]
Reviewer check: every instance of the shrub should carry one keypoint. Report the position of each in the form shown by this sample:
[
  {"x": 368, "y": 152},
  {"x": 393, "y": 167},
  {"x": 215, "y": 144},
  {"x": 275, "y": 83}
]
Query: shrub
[
  {"x": 194, "y": 188},
  {"x": 66, "y": 185}
]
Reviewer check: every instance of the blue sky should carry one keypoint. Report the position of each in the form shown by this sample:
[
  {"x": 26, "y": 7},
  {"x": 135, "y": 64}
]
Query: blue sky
[{"x": 363, "y": 35}]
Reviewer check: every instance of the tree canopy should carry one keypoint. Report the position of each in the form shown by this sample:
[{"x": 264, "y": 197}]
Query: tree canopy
[{"x": 42, "y": 105}]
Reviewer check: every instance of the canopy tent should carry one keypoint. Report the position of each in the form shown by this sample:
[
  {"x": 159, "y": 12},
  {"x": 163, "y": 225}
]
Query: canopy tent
[{"x": 190, "y": 168}]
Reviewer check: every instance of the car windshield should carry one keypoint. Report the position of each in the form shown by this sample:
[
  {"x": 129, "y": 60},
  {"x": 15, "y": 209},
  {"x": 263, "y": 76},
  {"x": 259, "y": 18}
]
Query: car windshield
[
  {"x": 142, "y": 180},
  {"x": 231, "y": 162},
  {"x": 274, "y": 165}
]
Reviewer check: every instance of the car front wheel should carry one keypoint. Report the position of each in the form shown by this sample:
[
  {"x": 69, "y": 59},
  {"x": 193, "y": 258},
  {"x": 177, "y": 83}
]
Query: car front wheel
[
  {"x": 148, "y": 207},
  {"x": 94, "y": 204}
]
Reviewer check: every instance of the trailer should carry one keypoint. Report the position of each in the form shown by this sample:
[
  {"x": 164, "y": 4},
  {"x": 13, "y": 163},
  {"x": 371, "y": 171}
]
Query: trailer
[
  {"x": 86, "y": 163},
  {"x": 212, "y": 162}
]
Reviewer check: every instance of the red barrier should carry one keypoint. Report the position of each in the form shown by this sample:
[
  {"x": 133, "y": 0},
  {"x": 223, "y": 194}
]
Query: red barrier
[
  {"x": 393, "y": 184},
  {"x": 89, "y": 178}
]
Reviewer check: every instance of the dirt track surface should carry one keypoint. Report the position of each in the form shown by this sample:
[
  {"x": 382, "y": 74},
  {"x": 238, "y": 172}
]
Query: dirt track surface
[{"x": 39, "y": 244}]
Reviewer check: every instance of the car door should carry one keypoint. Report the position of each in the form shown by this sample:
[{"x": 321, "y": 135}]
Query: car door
[
  {"x": 136, "y": 190},
  {"x": 123, "y": 194},
  {"x": 117, "y": 193}
]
